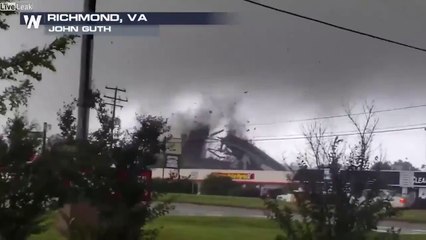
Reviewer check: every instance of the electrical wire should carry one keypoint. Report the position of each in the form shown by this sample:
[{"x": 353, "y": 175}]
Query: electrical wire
[
  {"x": 350, "y": 131},
  {"x": 340, "y": 115},
  {"x": 338, "y": 135},
  {"x": 336, "y": 26}
]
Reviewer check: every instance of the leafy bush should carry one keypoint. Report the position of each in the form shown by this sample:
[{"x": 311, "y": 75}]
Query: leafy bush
[
  {"x": 107, "y": 174},
  {"x": 24, "y": 190},
  {"x": 219, "y": 185},
  {"x": 173, "y": 186},
  {"x": 24, "y": 185}
]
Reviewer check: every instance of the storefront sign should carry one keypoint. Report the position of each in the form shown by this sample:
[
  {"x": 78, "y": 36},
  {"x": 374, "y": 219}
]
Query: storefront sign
[
  {"x": 419, "y": 178},
  {"x": 236, "y": 176}
]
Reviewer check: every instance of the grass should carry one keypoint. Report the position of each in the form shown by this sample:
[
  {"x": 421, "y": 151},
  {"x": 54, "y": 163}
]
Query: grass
[
  {"x": 51, "y": 233},
  {"x": 412, "y": 216},
  {"x": 406, "y": 237},
  {"x": 224, "y": 201},
  {"x": 208, "y": 228},
  {"x": 199, "y": 228},
  {"x": 213, "y": 228},
  {"x": 225, "y": 228}
]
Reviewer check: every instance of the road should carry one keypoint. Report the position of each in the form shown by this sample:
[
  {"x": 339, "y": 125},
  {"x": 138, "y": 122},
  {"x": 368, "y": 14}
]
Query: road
[{"x": 183, "y": 209}]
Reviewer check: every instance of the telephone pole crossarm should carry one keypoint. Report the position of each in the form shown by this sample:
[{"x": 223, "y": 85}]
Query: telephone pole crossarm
[
  {"x": 116, "y": 105},
  {"x": 116, "y": 99},
  {"x": 116, "y": 89}
]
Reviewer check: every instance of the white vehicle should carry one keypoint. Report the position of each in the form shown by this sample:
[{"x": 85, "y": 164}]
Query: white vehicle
[
  {"x": 289, "y": 197},
  {"x": 403, "y": 201},
  {"x": 397, "y": 200}
]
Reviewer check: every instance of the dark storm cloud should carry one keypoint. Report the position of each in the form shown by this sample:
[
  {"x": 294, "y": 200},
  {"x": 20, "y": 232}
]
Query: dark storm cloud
[
  {"x": 290, "y": 67},
  {"x": 272, "y": 51}
]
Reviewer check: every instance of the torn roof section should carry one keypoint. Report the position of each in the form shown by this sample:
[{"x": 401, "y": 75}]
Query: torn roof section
[
  {"x": 239, "y": 153},
  {"x": 243, "y": 149}
]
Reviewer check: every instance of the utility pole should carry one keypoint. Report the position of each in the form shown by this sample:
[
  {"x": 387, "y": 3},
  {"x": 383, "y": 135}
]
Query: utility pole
[
  {"x": 84, "y": 94},
  {"x": 42, "y": 135},
  {"x": 43, "y": 148},
  {"x": 424, "y": 165},
  {"x": 114, "y": 104}
]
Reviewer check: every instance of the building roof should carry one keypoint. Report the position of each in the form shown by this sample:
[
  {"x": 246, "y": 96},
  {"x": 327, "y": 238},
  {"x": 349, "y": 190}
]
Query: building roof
[{"x": 259, "y": 157}]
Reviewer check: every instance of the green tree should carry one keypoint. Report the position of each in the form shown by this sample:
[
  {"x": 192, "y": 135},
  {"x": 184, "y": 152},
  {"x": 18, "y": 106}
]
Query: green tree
[
  {"x": 403, "y": 165},
  {"x": 343, "y": 205},
  {"x": 379, "y": 166},
  {"x": 24, "y": 187},
  {"x": 24, "y": 67},
  {"x": 67, "y": 121},
  {"x": 108, "y": 176}
]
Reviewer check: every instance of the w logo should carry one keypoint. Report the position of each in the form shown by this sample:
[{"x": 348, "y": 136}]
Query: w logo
[{"x": 32, "y": 21}]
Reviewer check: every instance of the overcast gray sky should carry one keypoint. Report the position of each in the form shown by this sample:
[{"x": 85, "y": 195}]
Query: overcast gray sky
[{"x": 290, "y": 67}]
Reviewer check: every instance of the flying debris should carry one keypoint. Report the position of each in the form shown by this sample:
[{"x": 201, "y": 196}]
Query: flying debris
[
  {"x": 210, "y": 111},
  {"x": 216, "y": 133},
  {"x": 246, "y": 92}
]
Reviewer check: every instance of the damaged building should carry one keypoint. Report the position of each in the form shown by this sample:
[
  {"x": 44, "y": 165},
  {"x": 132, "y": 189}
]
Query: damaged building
[
  {"x": 203, "y": 153},
  {"x": 201, "y": 150}
]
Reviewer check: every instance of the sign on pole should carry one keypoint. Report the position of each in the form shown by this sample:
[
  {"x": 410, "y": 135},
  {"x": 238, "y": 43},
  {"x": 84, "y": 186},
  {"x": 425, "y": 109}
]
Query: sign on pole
[
  {"x": 174, "y": 146},
  {"x": 172, "y": 156},
  {"x": 172, "y": 161},
  {"x": 406, "y": 179}
]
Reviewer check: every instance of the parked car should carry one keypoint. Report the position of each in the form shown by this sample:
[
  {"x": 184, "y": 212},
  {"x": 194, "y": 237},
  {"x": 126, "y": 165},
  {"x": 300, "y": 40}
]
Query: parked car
[
  {"x": 289, "y": 197},
  {"x": 397, "y": 200},
  {"x": 401, "y": 201}
]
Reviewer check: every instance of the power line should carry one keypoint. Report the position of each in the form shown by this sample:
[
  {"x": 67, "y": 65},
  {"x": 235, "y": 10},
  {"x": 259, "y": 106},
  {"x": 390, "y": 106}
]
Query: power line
[
  {"x": 336, "y": 26},
  {"x": 338, "y": 135},
  {"x": 340, "y": 115},
  {"x": 350, "y": 131}
]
